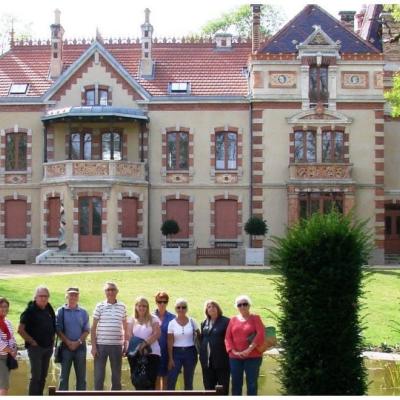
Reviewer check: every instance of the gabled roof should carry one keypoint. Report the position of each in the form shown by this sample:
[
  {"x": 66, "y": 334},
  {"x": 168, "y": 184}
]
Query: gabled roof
[
  {"x": 301, "y": 26},
  {"x": 209, "y": 71},
  {"x": 371, "y": 29}
]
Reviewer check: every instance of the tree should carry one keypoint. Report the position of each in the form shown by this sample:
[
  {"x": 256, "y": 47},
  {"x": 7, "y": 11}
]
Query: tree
[
  {"x": 21, "y": 28},
  {"x": 239, "y": 21},
  {"x": 320, "y": 290},
  {"x": 169, "y": 227},
  {"x": 393, "y": 95}
]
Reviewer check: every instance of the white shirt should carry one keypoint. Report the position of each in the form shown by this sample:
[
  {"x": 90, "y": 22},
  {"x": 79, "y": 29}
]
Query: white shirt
[
  {"x": 143, "y": 331},
  {"x": 183, "y": 335}
]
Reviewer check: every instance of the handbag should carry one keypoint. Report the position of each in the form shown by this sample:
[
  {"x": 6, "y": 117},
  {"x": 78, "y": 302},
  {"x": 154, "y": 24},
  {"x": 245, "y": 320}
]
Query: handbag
[
  {"x": 196, "y": 339},
  {"x": 59, "y": 346},
  {"x": 269, "y": 339},
  {"x": 11, "y": 362},
  {"x": 140, "y": 374}
]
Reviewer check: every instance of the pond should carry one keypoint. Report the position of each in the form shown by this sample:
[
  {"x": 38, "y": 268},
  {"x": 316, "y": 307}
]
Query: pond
[{"x": 383, "y": 376}]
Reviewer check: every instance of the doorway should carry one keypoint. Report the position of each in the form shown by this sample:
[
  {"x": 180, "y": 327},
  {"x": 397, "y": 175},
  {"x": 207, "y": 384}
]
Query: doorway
[{"x": 90, "y": 227}]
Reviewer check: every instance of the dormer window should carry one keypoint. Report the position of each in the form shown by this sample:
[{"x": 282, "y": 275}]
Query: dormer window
[
  {"x": 179, "y": 87},
  {"x": 19, "y": 88},
  {"x": 90, "y": 97},
  {"x": 96, "y": 96},
  {"x": 318, "y": 92}
]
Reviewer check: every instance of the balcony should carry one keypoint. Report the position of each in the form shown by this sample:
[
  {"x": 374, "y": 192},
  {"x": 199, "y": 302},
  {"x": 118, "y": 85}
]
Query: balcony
[
  {"x": 320, "y": 171},
  {"x": 94, "y": 170}
]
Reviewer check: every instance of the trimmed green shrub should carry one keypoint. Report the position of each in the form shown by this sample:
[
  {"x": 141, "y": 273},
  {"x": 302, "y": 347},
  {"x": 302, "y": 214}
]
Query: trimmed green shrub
[
  {"x": 256, "y": 226},
  {"x": 320, "y": 261},
  {"x": 169, "y": 227}
]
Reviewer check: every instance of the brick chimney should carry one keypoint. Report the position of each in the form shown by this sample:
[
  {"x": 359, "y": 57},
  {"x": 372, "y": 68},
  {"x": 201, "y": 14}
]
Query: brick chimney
[
  {"x": 347, "y": 18},
  {"x": 255, "y": 31},
  {"x": 390, "y": 37},
  {"x": 146, "y": 61},
  {"x": 57, "y": 32}
]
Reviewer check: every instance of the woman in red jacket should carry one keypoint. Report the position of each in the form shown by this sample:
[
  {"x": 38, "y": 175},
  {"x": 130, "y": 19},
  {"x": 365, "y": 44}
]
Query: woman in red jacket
[{"x": 245, "y": 332}]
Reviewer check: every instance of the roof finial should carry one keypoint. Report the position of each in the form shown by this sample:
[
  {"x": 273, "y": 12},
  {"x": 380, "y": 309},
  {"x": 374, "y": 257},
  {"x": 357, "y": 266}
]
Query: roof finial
[
  {"x": 57, "y": 19},
  {"x": 147, "y": 16},
  {"x": 12, "y": 34},
  {"x": 99, "y": 38}
]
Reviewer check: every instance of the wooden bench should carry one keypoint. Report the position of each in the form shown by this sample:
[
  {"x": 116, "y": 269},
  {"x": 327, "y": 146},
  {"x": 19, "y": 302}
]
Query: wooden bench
[
  {"x": 213, "y": 252},
  {"x": 217, "y": 392}
]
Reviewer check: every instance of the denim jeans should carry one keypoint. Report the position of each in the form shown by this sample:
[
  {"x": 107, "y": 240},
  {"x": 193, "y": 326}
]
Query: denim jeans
[
  {"x": 114, "y": 353},
  {"x": 249, "y": 366},
  {"x": 39, "y": 358},
  {"x": 185, "y": 357},
  {"x": 78, "y": 358}
]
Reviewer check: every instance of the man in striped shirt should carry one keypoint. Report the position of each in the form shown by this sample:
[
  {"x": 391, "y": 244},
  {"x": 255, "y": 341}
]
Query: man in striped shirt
[{"x": 109, "y": 330}]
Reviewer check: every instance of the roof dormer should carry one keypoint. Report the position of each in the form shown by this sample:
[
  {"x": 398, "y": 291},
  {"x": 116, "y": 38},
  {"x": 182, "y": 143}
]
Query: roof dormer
[{"x": 223, "y": 41}]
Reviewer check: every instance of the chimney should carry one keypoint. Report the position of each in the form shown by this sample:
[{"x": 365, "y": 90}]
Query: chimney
[
  {"x": 347, "y": 19},
  {"x": 390, "y": 38},
  {"x": 146, "y": 61},
  {"x": 255, "y": 32},
  {"x": 12, "y": 41},
  {"x": 57, "y": 32},
  {"x": 360, "y": 18}
]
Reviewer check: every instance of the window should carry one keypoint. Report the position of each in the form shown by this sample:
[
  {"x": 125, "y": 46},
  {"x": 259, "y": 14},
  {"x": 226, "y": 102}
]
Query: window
[
  {"x": 15, "y": 219},
  {"x": 81, "y": 146},
  {"x": 16, "y": 149},
  {"x": 332, "y": 146},
  {"x": 179, "y": 87},
  {"x": 103, "y": 97},
  {"x": 305, "y": 146},
  {"x": 178, "y": 210},
  {"x": 129, "y": 217},
  {"x": 18, "y": 88},
  {"x": 53, "y": 220},
  {"x": 310, "y": 203},
  {"x": 90, "y": 97},
  {"x": 177, "y": 150},
  {"x": 318, "y": 89},
  {"x": 226, "y": 219},
  {"x": 225, "y": 150},
  {"x": 95, "y": 97},
  {"x": 111, "y": 146}
]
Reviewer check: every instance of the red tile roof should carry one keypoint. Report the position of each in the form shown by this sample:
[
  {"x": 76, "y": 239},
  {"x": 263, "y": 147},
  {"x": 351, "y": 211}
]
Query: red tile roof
[{"x": 210, "y": 72}]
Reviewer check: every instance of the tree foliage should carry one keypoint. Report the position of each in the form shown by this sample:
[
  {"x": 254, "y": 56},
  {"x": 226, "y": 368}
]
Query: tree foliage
[
  {"x": 239, "y": 21},
  {"x": 256, "y": 226},
  {"x": 22, "y": 30},
  {"x": 320, "y": 261},
  {"x": 169, "y": 227}
]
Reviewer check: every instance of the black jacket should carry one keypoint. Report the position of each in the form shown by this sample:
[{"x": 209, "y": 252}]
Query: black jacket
[{"x": 215, "y": 337}]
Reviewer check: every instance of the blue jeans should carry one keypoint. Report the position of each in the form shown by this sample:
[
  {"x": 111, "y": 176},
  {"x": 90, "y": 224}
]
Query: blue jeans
[
  {"x": 78, "y": 358},
  {"x": 185, "y": 357},
  {"x": 251, "y": 367}
]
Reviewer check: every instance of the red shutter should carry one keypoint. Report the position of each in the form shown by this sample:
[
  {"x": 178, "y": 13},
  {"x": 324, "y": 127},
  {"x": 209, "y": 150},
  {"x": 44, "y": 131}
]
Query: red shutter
[
  {"x": 129, "y": 217},
  {"x": 53, "y": 222},
  {"x": 15, "y": 219},
  {"x": 178, "y": 210},
  {"x": 226, "y": 218}
]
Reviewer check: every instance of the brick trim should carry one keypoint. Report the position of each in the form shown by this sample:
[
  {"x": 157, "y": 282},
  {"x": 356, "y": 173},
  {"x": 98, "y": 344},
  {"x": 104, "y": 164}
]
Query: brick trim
[{"x": 16, "y": 196}]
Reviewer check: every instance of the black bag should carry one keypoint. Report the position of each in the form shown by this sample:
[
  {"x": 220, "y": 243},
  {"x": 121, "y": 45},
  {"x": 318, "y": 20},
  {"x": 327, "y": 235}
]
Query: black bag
[
  {"x": 58, "y": 353},
  {"x": 140, "y": 378},
  {"x": 11, "y": 362}
]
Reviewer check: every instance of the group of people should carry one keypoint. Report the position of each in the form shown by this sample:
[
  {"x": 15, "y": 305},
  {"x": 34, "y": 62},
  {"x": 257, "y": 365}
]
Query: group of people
[{"x": 158, "y": 345}]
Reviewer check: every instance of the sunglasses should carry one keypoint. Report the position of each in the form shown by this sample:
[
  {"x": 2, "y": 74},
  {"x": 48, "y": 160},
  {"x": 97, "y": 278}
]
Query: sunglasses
[
  {"x": 243, "y": 305},
  {"x": 162, "y": 302},
  {"x": 181, "y": 307},
  {"x": 111, "y": 290}
]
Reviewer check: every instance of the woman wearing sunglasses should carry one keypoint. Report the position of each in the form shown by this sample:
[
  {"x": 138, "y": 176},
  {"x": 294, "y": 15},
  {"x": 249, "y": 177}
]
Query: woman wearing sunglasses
[
  {"x": 165, "y": 317},
  {"x": 245, "y": 332},
  {"x": 182, "y": 333}
]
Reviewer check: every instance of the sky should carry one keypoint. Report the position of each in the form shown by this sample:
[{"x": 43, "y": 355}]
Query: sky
[{"x": 122, "y": 18}]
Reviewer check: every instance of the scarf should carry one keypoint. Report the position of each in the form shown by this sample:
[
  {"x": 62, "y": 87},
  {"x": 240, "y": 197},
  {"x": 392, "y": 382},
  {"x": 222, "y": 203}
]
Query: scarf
[{"x": 4, "y": 328}]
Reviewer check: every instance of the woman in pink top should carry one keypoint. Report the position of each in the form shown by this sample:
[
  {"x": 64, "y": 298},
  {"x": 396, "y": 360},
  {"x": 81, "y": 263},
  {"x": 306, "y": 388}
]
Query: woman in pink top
[{"x": 245, "y": 332}]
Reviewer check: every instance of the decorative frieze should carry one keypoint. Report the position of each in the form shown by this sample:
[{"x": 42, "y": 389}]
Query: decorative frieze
[
  {"x": 355, "y": 80},
  {"x": 15, "y": 178},
  {"x": 321, "y": 171},
  {"x": 282, "y": 79},
  {"x": 91, "y": 169},
  {"x": 378, "y": 80}
]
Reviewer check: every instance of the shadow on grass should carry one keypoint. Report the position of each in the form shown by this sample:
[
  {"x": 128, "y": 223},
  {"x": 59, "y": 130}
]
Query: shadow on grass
[
  {"x": 244, "y": 270},
  {"x": 385, "y": 272}
]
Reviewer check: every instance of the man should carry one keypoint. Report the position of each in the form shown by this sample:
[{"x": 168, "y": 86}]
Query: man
[
  {"x": 37, "y": 327},
  {"x": 109, "y": 330},
  {"x": 72, "y": 324}
]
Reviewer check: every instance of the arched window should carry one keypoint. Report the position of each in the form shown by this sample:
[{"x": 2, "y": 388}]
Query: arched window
[
  {"x": 177, "y": 150},
  {"x": 111, "y": 146},
  {"x": 16, "y": 151},
  {"x": 225, "y": 150},
  {"x": 81, "y": 146}
]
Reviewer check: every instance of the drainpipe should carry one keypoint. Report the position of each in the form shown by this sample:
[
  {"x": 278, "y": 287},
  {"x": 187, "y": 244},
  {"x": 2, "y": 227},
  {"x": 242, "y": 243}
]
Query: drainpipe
[
  {"x": 148, "y": 194},
  {"x": 141, "y": 141},
  {"x": 45, "y": 143},
  {"x": 251, "y": 164}
]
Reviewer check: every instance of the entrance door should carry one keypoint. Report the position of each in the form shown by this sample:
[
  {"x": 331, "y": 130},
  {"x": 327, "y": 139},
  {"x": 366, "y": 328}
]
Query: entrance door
[
  {"x": 90, "y": 224},
  {"x": 392, "y": 230}
]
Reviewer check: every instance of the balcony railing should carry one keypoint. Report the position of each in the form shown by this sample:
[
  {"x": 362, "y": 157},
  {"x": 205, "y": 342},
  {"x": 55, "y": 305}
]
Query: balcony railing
[
  {"x": 320, "y": 171},
  {"x": 88, "y": 170}
]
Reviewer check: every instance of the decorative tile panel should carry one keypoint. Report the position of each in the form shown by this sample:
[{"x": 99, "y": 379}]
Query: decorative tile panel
[
  {"x": 282, "y": 79},
  {"x": 378, "y": 80},
  {"x": 91, "y": 169},
  {"x": 226, "y": 178},
  {"x": 321, "y": 171},
  {"x": 177, "y": 178},
  {"x": 355, "y": 80}
]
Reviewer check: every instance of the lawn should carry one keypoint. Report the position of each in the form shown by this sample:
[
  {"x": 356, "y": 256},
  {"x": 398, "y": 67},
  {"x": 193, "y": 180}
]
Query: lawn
[{"x": 382, "y": 299}]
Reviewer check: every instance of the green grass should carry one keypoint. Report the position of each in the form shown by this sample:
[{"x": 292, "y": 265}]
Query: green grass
[{"x": 382, "y": 302}]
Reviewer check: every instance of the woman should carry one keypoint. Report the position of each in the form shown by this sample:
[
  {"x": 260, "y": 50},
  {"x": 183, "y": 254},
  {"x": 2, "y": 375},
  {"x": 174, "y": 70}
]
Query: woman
[
  {"x": 213, "y": 356},
  {"x": 145, "y": 329},
  {"x": 245, "y": 332},
  {"x": 182, "y": 333},
  {"x": 165, "y": 317},
  {"x": 7, "y": 345}
]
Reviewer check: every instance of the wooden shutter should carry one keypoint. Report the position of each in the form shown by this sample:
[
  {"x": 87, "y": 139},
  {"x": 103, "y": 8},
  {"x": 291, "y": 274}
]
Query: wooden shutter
[
  {"x": 179, "y": 211},
  {"x": 129, "y": 217},
  {"x": 53, "y": 221},
  {"x": 15, "y": 219},
  {"x": 226, "y": 218}
]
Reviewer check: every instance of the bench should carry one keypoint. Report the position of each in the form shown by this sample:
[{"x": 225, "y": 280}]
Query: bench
[
  {"x": 217, "y": 392},
  {"x": 213, "y": 252}
]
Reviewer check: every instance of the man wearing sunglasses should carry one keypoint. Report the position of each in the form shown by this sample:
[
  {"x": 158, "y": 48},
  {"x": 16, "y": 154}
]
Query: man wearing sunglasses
[{"x": 108, "y": 335}]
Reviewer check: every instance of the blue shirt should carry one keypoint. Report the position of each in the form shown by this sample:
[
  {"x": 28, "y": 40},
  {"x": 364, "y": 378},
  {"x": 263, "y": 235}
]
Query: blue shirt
[
  {"x": 72, "y": 322},
  {"x": 164, "y": 329}
]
